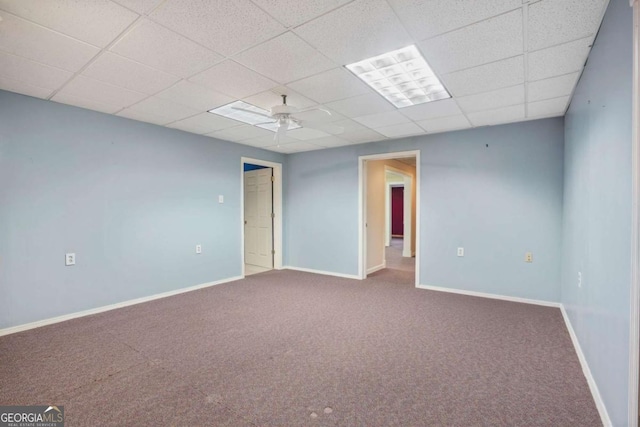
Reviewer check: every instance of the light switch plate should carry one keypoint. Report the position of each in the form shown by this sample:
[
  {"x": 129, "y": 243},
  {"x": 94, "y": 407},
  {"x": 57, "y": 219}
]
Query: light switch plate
[{"x": 221, "y": 199}]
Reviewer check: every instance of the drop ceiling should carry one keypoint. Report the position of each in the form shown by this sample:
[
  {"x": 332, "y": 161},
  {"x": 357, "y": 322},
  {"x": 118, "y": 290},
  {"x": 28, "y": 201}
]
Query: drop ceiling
[{"x": 168, "y": 62}]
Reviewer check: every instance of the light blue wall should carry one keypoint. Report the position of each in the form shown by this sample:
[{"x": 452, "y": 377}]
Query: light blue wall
[
  {"x": 497, "y": 202},
  {"x": 597, "y": 209},
  {"x": 130, "y": 199}
]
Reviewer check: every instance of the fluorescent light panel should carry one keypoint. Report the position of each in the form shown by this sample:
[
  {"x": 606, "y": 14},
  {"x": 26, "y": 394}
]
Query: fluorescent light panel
[
  {"x": 403, "y": 77},
  {"x": 230, "y": 111}
]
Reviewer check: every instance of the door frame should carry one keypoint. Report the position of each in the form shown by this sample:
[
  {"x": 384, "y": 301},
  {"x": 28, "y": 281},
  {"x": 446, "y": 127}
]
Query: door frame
[
  {"x": 277, "y": 209},
  {"x": 362, "y": 234},
  {"x": 634, "y": 327},
  {"x": 407, "y": 205}
]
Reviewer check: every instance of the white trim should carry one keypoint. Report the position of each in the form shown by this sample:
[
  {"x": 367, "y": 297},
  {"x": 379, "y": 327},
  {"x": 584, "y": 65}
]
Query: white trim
[
  {"x": 277, "y": 209},
  {"x": 52, "y": 320},
  {"x": 634, "y": 295},
  {"x": 377, "y": 268},
  {"x": 362, "y": 274},
  {"x": 324, "y": 273},
  {"x": 491, "y": 296},
  {"x": 602, "y": 410}
]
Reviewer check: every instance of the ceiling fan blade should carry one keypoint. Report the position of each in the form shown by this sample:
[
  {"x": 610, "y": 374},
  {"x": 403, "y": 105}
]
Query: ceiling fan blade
[
  {"x": 282, "y": 130},
  {"x": 252, "y": 112},
  {"x": 313, "y": 114},
  {"x": 325, "y": 127}
]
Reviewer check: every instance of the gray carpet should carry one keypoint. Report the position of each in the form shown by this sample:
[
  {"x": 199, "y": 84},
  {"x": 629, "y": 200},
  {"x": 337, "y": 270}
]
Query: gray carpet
[
  {"x": 287, "y": 348},
  {"x": 394, "y": 258}
]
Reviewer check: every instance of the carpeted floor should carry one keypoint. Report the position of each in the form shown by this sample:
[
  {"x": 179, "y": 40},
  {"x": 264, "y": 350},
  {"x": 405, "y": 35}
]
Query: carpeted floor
[
  {"x": 286, "y": 348},
  {"x": 394, "y": 258}
]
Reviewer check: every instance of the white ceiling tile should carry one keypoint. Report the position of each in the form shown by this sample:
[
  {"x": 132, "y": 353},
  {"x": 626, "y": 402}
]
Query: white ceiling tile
[
  {"x": 487, "y": 41},
  {"x": 267, "y": 141},
  {"x": 361, "y": 105},
  {"x": 158, "y": 47},
  {"x": 86, "y": 88},
  {"x": 445, "y": 124},
  {"x": 425, "y": 19},
  {"x": 118, "y": 71},
  {"x": 32, "y": 73},
  {"x": 32, "y": 41},
  {"x": 233, "y": 79},
  {"x": 432, "y": 110},
  {"x": 359, "y": 30},
  {"x": 553, "y": 22},
  {"x": 552, "y": 88},
  {"x": 330, "y": 86},
  {"x": 95, "y": 22},
  {"x": 159, "y": 107},
  {"x": 204, "y": 123},
  {"x": 362, "y": 135},
  {"x": 548, "y": 107},
  {"x": 226, "y": 27},
  {"x": 295, "y": 12},
  {"x": 349, "y": 125},
  {"x": 330, "y": 141},
  {"x": 241, "y": 133},
  {"x": 142, "y": 117},
  {"x": 24, "y": 88},
  {"x": 87, "y": 103},
  {"x": 494, "y": 117},
  {"x": 284, "y": 59},
  {"x": 273, "y": 97},
  {"x": 294, "y": 147},
  {"x": 140, "y": 6},
  {"x": 484, "y": 78},
  {"x": 305, "y": 133},
  {"x": 404, "y": 129},
  {"x": 378, "y": 120},
  {"x": 194, "y": 96},
  {"x": 491, "y": 100},
  {"x": 554, "y": 61}
]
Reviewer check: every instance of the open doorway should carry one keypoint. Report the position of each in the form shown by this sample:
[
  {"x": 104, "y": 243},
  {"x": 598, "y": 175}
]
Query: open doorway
[
  {"x": 261, "y": 216},
  {"x": 400, "y": 213},
  {"x": 378, "y": 175}
]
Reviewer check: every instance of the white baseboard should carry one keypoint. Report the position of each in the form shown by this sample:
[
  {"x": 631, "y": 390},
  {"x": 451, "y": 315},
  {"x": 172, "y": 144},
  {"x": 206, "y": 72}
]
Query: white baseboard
[
  {"x": 325, "y": 273},
  {"x": 492, "y": 296},
  {"x": 52, "y": 320},
  {"x": 602, "y": 409},
  {"x": 377, "y": 268}
]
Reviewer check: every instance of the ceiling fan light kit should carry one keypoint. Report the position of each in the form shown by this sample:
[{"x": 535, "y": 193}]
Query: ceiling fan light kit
[{"x": 279, "y": 119}]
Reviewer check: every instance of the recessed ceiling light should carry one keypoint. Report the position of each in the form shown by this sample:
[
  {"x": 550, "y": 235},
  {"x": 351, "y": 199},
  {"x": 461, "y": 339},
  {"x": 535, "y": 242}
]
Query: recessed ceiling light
[
  {"x": 403, "y": 77},
  {"x": 250, "y": 114}
]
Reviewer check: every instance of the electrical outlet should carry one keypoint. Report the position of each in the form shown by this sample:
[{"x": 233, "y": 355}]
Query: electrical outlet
[
  {"x": 460, "y": 251},
  {"x": 579, "y": 279},
  {"x": 528, "y": 257},
  {"x": 198, "y": 249},
  {"x": 70, "y": 259}
]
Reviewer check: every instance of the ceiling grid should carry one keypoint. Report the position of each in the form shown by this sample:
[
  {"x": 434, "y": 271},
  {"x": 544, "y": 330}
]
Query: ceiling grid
[{"x": 167, "y": 62}]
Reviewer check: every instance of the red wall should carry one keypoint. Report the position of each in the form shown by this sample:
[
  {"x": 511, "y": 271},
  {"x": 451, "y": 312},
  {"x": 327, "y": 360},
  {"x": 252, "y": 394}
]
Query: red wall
[{"x": 397, "y": 210}]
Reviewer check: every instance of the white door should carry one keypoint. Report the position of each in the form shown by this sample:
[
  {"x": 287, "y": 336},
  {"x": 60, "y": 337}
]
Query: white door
[{"x": 258, "y": 219}]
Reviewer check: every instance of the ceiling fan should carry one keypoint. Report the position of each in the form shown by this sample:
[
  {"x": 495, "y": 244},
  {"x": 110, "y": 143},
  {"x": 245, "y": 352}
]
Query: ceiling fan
[{"x": 285, "y": 117}]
